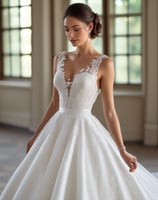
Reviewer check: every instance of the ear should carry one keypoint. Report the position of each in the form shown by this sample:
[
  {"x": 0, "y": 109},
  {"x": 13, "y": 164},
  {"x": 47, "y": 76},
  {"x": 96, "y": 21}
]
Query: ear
[{"x": 90, "y": 27}]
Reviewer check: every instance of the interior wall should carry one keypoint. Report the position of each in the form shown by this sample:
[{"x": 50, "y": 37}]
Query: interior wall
[
  {"x": 15, "y": 103},
  {"x": 23, "y": 103},
  {"x": 130, "y": 110}
]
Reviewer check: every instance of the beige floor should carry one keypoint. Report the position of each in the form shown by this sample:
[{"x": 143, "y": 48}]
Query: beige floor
[{"x": 13, "y": 144}]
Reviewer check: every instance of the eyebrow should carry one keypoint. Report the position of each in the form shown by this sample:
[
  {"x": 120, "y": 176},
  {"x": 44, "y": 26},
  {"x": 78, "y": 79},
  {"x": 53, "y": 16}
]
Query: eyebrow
[{"x": 72, "y": 26}]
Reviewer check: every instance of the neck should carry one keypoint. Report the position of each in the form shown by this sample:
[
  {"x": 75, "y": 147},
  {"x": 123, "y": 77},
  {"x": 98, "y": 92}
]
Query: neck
[{"x": 86, "y": 49}]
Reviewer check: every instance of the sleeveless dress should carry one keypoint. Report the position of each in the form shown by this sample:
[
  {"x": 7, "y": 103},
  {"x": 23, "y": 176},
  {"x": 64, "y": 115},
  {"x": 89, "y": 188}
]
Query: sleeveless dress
[{"x": 74, "y": 157}]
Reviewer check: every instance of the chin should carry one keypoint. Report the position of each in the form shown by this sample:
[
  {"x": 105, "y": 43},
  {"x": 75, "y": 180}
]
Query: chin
[{"x": 74, "y": 44}]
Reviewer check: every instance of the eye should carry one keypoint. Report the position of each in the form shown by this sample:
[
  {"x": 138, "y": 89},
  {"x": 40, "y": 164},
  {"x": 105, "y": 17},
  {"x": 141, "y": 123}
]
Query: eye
[
  {"x": 66, "y": 30},
  {"x": 77, "y": 29}
]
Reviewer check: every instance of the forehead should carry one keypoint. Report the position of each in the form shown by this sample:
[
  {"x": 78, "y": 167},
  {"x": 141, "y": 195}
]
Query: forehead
[{"x": 72, "y": 21}]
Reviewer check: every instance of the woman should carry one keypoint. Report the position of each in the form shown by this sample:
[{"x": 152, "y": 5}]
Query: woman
[{"x": 71, "y": 156}]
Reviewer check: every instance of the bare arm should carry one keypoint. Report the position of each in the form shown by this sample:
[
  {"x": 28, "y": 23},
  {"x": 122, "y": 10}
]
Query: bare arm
[
  {"x": 106, "y": 85},
  {"x": 50, "y": 111}
]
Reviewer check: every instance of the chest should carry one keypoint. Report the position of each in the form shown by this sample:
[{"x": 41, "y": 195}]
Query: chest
[
  {"x": 74, "y": 66},
  {"x": 71, "y": 69}
]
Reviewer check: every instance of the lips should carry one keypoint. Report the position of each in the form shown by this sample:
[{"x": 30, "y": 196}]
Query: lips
[{"x": 73, "y": 41}]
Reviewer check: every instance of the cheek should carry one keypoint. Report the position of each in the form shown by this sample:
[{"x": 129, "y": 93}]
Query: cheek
[{"x": 84, "y": 34}]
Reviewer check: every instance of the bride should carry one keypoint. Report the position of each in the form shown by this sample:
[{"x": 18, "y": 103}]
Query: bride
[{"x": 71, "y": 156}]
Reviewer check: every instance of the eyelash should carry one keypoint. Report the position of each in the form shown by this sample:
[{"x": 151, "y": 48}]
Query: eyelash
[{"x": 76, "y": 30}]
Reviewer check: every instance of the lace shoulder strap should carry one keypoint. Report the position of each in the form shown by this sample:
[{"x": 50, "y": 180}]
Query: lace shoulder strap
[
  {"x": 98, "y": 61},
  {"x": 95, "y": 63},
  {"x": 61, "y": 59}
]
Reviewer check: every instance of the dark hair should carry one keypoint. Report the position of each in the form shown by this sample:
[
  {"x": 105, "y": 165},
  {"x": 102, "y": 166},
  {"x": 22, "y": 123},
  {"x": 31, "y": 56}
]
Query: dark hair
[{"x": 85, "y": 14}]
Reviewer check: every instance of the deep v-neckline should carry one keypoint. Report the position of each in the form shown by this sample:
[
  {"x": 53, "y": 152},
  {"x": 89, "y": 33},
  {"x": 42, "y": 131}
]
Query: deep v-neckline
[
  {"x": 86, "y": 68},
  {"x": 91, "y": 68}
]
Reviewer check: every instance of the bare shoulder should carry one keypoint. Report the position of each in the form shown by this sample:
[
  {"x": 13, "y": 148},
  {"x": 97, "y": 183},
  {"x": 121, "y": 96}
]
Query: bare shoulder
[
  {"x": 106, "y": 67},
  {"x": 106, "y": 63}
]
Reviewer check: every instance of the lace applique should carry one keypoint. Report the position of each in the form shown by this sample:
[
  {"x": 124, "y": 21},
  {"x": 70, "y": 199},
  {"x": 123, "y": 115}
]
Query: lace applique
[
  {"x": 68, "y": 82},
  {"x": 93, "y": 66},
  {"x": 92, "y": 69},
  {"x": 61, "y": 60}
]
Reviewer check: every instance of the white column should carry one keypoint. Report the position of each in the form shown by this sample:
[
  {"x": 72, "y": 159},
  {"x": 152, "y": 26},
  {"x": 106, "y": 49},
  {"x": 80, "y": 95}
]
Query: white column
[
  {"x": 59, "y": 40},
  {"x": 151, "y": 103},
  {"x": 42, "y": 58}
]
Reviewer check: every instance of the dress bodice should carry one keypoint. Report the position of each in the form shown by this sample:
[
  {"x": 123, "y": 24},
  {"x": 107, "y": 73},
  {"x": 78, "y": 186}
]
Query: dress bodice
[{"x": 82, "y": 91}]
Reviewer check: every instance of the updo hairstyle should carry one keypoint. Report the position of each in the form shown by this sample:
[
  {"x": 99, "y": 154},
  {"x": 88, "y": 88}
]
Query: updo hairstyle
[{"x": 85, "y": 14}]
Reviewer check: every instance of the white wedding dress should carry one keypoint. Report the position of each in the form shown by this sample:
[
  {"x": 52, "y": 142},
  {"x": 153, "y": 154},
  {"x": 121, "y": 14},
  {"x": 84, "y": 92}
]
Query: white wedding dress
[{"x": 74, "y": 157}]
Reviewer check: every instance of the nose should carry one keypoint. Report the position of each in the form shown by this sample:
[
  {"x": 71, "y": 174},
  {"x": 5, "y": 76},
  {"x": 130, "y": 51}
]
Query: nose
[{"x": 70, "y": 34}]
